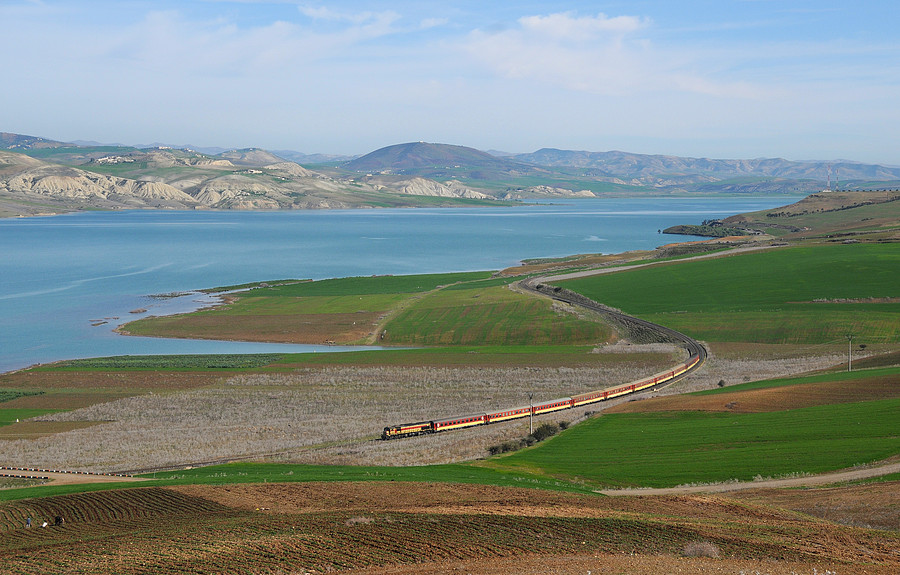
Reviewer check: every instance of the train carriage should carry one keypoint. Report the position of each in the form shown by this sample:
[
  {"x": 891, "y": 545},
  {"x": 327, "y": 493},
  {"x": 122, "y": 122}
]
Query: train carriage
[
  {"x": 458, "y": 422},
  {"x": 411, "y": 429},
  {"x": 507, "y": 414},
  {"x": 554, "y": 405}
]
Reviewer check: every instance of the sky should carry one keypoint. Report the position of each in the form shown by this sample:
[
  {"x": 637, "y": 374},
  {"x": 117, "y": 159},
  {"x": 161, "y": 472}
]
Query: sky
[{"x": 798, "y": 79}]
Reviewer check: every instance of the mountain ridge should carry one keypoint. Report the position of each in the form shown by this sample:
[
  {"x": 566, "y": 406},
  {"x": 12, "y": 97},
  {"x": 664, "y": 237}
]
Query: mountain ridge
[{"x": 39, "y": 175}]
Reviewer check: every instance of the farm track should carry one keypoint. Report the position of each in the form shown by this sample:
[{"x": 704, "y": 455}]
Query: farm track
[
  {"x": 813, "y": 480},
  {"x": 540, "y": 286},
  {"x": 240, "y": 458}
]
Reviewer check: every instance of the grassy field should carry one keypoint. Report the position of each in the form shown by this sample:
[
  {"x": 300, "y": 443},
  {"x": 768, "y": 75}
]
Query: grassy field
[
  {"x": 9, "y": 416},
  {"x": 655, "y": 448},
  {"x": 306, "y": 407},
  {"x": 663, "y": 450},
  {"x": 874, "y": 215},
  {"x": 167, "y": 362},
  {"x": 492, "y": 315},
  {"x": 788, "y": 295},
  {"x": 236, "y": 473},
  {"x": 444, "y": 309},
  {"x": 668, "y": 448}
]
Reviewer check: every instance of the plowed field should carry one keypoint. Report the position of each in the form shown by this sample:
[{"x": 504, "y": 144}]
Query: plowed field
[
  {"x": 771, "y": 399},
  {"x": 424, "y": 528}
]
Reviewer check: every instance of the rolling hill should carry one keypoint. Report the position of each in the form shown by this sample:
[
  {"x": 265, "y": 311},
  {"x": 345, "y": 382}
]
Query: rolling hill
[
  {"x": 40, "y": 175},
  {"x": 440, "y": 161}
]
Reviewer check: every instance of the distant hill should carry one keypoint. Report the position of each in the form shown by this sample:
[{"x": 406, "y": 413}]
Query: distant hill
[
  {"x": 9, "y": 141},
  {"x": 40, "y": 177},
  {"x": 439, "y": 161},
  {"x": 251, "y": 157},
  {"x": 302, "y": 158},
  {"x": 628, "y": 165}
]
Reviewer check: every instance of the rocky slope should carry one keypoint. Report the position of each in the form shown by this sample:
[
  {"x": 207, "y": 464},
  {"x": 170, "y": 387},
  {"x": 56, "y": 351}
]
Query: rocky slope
[
  {"x": 180, "y": 179},
  {"x": 46, "y": 188}
]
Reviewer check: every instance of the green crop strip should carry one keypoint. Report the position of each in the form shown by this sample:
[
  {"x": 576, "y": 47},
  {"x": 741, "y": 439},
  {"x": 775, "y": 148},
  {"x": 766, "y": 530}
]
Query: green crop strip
[
  {"x": 796, "y": 295},
  {"x": 675, "y": 448},
  {"x": 9, "y": 415},
  {"x": 493, "y": 315}
]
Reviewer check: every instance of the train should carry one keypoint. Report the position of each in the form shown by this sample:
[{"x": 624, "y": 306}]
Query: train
[{"x": 461, "y": 422}]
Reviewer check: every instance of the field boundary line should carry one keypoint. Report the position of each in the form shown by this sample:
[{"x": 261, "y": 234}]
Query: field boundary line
[
  {"x": 810, "y": 480},
  {"x": 402, "y": 306},
  {"x": 37, "y": 470}
]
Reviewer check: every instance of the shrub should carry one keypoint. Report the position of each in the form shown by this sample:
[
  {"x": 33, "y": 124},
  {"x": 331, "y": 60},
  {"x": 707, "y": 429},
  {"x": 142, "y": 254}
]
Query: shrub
[
  {"x": 359, "y": 520},
  {"x": 701, "y": 549},
  {"x": 544, "y": 431}
]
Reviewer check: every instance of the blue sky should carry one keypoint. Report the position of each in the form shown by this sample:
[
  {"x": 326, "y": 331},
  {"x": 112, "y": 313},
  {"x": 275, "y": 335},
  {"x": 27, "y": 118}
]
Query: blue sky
[{"x": 724, "y": 79}]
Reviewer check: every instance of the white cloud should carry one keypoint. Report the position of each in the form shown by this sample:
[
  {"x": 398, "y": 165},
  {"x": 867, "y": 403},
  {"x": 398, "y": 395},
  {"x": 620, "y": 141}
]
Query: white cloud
[
  {"x": 373, "y": 20},
  {"x": 569, "y": 27},
  {"x": 595, "y": 54}
]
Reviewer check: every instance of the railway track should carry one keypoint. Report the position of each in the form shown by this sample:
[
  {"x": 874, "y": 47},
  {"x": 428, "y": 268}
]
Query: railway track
[
  {"x": 541, "y": 285},
  {"x": 644, "y": 329},
  {"x": 538, "y": 286}
]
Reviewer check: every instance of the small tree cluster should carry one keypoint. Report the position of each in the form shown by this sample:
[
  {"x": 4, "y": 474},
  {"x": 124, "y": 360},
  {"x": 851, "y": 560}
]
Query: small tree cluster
[{"x": 543, "y": 431}]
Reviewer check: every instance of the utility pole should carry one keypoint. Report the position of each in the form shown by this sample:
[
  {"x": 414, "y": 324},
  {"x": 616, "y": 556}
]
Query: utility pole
[
  {"x": 531, "y": 412},
  {"x": 849, "y": 352}
]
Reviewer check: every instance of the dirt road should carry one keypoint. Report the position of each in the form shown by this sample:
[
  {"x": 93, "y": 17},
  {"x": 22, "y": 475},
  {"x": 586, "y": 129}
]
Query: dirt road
[
  {"x": 824, "y": 479},
  {"x": 69, "y": 478}
]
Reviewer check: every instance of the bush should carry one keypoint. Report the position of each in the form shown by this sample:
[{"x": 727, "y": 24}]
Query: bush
[
  {"x": 544, "y": 431},
  {"x": 701, "y": 549}
]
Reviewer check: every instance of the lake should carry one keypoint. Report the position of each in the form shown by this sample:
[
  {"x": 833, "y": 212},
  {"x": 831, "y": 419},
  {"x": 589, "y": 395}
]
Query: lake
[{"x": 66, "y": 281}]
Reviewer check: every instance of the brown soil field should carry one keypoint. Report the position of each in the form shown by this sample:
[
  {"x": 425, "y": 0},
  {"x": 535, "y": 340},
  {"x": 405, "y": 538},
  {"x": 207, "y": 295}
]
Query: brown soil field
[
  {"x": 579, "y": 261},
  {"x": 623, "y": 564},
  {"x": 423, "y": 529},
  {"x": 293, "y": 328},
  {"x": 35, "y": 429},
  {"x": 131, "y": 382},
  {"x": 80, "y": 389},
  {"x": 464, "y": 499},
  {"x": 876, "y": 505},
  {"x": 771, "y": 399}
]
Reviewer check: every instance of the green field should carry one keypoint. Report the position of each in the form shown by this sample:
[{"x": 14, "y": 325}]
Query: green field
[
  {"x": 493, "y": 315},
  {"x": 813, "y": 294},
  {"x": 289, "y": 473},
  {"x": 166, "y": 362},
  {"x": 840, "y": 376},
  {"x": 470, "y": 308},
  {"x": 655, "y": 449},
  {"x": 9, "y": 415},
  {"x": 371, "y": 285},
  {"x": 11, "y": 394},
  {"x": 474, "y": 319},
  {"x": 674, "y": 448}
]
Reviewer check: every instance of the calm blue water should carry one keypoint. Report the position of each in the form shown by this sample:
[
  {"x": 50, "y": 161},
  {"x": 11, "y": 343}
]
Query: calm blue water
[{"x": 60, "y": 274}]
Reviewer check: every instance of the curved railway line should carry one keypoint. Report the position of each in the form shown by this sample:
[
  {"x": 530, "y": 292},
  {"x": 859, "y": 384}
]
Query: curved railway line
[{"x": 696, "y": 356}]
